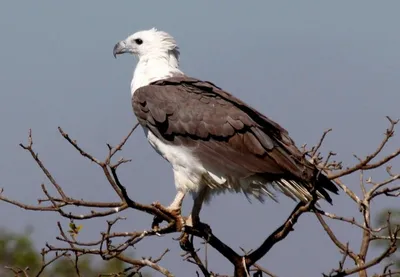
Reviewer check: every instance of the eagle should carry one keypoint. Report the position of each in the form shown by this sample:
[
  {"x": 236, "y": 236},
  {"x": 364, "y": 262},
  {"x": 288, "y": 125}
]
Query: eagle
[{"x": 214, "y": 141}]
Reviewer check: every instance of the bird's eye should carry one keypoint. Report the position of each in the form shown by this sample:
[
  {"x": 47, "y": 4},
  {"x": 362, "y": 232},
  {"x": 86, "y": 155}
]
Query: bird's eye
[{"x": 138, "y": 41}]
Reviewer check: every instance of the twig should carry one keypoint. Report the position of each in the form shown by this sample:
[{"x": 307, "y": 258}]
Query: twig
[
  {"x": 266, "y": 271},
  {"x": 147, "y": 262},
  {"x": 196, "y": 260},
  {"x": 280, "y": 233},
  {"x": 364, "y": 164},
  {"x": 341, "y": 246},
  {"x": 41, "y": 165}
]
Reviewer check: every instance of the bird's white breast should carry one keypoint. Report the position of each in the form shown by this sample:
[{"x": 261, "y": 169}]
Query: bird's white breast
[
  {"x": 188, "y": 170},
  {"x": 192, "y": 175}
]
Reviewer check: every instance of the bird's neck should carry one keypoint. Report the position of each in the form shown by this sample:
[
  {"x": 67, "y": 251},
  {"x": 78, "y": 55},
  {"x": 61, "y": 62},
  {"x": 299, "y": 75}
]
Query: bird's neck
[{"x": 152, "y": 68}]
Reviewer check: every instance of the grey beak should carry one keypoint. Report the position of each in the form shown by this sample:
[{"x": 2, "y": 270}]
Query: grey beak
[{"x": 119, "y": 48}]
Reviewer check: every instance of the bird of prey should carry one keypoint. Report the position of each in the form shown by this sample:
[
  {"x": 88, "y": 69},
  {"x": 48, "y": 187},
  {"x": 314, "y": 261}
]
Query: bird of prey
[{"x": 214, "y": 141}]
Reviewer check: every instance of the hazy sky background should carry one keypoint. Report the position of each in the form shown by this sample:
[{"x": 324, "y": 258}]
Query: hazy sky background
[{"x": 308, "y": 65}]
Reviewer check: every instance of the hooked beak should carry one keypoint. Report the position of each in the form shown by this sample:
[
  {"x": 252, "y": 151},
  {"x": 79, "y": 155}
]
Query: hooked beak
[{"x": 120, "y": 48}]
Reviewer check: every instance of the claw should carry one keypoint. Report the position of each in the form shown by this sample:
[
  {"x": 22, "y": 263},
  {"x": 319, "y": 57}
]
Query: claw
[
  {"x": 173, "y": 212},
  {"x": 156, "y": 204},
  {"x": 185, "y": 243}
]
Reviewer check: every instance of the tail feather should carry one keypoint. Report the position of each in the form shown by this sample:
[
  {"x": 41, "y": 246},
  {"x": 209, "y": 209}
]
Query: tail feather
[
  {"x": 323, "y": 184},
  {"x": 301, "y": 189}
]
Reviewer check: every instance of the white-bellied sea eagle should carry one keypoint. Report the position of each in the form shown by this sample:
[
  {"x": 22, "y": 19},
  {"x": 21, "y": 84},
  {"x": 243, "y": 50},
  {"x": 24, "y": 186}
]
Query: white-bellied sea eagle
[{"x": 214, "y": 141}]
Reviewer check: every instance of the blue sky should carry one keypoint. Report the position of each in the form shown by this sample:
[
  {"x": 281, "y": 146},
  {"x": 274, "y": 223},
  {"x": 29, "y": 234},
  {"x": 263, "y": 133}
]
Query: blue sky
[{"x": 308, "y": 65}]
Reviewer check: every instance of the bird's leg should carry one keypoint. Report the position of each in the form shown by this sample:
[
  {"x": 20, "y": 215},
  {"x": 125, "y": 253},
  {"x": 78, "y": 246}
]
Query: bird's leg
[
  {"x": 176, "y": 204},
  {"x": 193, "y": 219},
  {"x": 174, "y": 209}
]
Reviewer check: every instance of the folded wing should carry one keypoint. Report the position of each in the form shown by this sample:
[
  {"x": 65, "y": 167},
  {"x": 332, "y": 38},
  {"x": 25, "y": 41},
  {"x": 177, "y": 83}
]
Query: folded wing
[{"x": 226, "y": 133}]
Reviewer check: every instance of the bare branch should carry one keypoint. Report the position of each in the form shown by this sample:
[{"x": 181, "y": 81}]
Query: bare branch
[
  {"x": 192, "y": 257},
  {"x": 280, "y": 233},
  {"x": 264, "y": 270},
  {"x": 314, "y": 150},
  {"x": 45, "y": 264},
  {"x": 147, "y": 262},
  {"x": 113, "y": 245},
  {"x": 17, "y": 271},
  {"x": 121, "y": 144},
  {"x": 364, "y": 164},
  {"x": 41, "y": 165},
  {"x": 334, "y": 239},
  {"x": 390, "y": 250},
  {"x": 77, "y": 147}
]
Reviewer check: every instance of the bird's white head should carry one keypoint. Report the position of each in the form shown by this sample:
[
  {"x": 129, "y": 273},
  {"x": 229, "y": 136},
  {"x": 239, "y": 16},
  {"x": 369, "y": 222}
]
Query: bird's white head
[
  {"x": 158, "y": 55},
  {"x": 148, "y": 43}
]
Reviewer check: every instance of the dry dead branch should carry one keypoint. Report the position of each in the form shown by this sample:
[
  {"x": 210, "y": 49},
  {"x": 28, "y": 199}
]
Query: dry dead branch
[{"x": 245, "y": 264}]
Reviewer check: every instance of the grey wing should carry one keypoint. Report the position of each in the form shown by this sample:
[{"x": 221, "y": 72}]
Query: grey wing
[
  {"x": 222, "y": 130},
  {"x": 188, "y": 113}
]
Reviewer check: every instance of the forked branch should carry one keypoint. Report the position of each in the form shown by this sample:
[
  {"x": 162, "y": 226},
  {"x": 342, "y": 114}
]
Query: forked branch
[{"x": 113, "y": 245}]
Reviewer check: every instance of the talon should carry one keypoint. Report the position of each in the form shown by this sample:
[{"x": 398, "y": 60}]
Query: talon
[
  {"x": 185, "y": 243},
  {"x": 175, "y": 213},
  {"x": 155, "y": 224}
]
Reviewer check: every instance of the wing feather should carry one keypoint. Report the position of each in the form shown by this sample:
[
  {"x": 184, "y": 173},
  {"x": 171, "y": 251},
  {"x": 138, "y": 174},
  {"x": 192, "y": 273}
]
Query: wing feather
[{"x": 223, "y": 131}]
